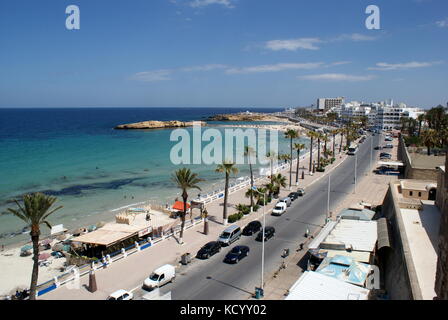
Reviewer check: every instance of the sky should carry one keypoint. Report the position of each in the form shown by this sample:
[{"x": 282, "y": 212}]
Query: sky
[{"x": 221, "y": 53}]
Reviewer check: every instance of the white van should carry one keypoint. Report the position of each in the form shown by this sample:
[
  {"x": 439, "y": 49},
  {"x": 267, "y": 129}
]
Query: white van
[
  {"x": 280, "y": 208},
  {"x": 230, "y": 235},
  {"x": 160, "y": 276}
]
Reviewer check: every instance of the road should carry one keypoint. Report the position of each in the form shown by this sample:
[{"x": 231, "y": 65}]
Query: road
[{"x": 214, "y": 280}]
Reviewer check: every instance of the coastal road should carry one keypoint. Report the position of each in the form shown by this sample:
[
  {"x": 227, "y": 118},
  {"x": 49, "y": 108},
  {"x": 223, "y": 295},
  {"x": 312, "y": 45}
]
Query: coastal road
[{"x": 214, "y": 280}]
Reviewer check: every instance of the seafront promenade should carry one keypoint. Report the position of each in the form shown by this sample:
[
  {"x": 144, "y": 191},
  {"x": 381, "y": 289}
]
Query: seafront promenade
[{"x": 134, "y": 268}]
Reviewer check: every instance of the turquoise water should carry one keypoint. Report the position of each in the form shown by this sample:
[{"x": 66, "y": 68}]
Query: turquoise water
[{"x": 92, "y": 169}]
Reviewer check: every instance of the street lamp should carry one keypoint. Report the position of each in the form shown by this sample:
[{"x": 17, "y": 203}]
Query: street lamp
[{"x": 254, "y": 188}]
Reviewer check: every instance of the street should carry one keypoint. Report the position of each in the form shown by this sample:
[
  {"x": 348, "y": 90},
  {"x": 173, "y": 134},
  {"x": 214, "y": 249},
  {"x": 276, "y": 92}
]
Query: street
[{"x": 214, "y": 280}]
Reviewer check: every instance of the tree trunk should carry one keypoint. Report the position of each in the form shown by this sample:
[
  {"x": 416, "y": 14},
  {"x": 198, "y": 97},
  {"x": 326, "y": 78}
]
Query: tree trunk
[
  {"x": 272, "y": 171},
  {"x": 35, "y": 273},
  {"x": 226, "y": 192},
  {"x": 290, "y": 166},
  {"x": 334, "y": 145},
  {"x": 251, "y": 186},
  {"x": 318, "y": 153},
  {"x": 311, "y": 155},
  {"x": 182, "y": 218},
  {"x": 342, "y": 141},
  {"x": 298, "y": 167}
]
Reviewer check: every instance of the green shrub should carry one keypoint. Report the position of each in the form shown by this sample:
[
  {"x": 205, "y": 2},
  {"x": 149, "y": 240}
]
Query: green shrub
[
  {"x": 256, "y": 207},
  {"x": 320, "y": 169},
  {"x": 235, "y": 217}
]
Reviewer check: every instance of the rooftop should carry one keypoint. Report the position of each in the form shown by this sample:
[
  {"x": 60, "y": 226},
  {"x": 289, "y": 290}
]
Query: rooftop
[
  {"x": 346, "y": 233},
  {"x": 316, "y": 286},
  {"x": 422, "y": 234}
]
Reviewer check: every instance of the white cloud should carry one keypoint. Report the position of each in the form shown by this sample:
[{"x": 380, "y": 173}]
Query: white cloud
[
  {"x": 383, "y": 66},
  {"x": 293, "y": 44},
  {"x": 336, "y": 77},
  {"x": 204, "y": 3},
  {"x": 339, "y": 63},
  {"x": 442, "y": 23},
  {"x": 274, "y": 67},
  {"x": 354, "y": 37},
  {"x": 207, "y": 67},
  {"x": 152, "y": 76}
]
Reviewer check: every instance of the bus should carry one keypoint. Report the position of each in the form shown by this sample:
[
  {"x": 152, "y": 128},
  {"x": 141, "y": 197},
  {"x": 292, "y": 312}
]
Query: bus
[{"x": 352, "y": 149}]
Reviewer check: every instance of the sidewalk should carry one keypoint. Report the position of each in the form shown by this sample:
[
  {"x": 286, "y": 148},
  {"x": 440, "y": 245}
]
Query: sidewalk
[
  {"x": 371, "y": 188},
  {"x": 129, "y": 272}
]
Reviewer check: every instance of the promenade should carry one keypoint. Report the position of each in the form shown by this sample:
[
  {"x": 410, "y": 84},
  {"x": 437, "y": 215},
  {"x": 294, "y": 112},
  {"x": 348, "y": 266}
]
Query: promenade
[{"x": 128, "y": 273}]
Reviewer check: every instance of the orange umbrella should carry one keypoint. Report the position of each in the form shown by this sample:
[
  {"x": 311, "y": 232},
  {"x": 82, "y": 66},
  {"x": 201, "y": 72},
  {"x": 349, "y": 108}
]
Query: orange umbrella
[{"x": 179, "y": 205}]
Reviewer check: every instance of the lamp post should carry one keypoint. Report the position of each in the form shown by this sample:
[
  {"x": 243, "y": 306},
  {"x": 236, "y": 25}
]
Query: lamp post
[
  {"x": 262, "y": 239},
  {"x": 356, "y": 164}
]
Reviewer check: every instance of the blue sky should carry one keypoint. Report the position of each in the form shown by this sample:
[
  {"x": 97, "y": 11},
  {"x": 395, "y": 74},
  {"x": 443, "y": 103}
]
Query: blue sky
[{"x": 216, "y": 53}]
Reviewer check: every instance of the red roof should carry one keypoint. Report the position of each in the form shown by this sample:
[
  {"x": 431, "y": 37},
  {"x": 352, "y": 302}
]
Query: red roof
[{"x": 179, "y": 205}]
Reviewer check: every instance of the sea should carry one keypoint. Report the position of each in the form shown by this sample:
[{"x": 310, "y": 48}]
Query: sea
[{"x": 94, "y": 170}]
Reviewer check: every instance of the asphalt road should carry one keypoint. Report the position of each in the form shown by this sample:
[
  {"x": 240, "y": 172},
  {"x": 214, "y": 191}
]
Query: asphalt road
[{"x": 213, "y": 279}]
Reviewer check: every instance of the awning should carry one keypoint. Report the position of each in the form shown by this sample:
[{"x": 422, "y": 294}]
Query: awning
[
  {"x": 383, "y": 234},
  {"x": 391, "y": 163}
]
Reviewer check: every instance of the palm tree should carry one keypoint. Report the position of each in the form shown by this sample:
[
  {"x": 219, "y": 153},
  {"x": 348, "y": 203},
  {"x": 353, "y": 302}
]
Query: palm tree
[
  {"x": 341, "y": 131},
  {"x": 334, "y": 133},
  {"x": 319, "y": 138},
  {"x": 325, "y": 140},
  {"x": 271, "y": 155},
  {"x": 311, "y": 135},
  {"x": 298, "y": 147},
  {"x": 291, "y": 134},
  {"x": 185, "y": 180},
  {"x": 228, "y": 168},
  {"x": 249, "y": 152},
  {"x": 429, "y": 138},
  {"x": 420, "y": 120},
  {"x": 34, "y": 211},
  {"x": 279, "y": 181}
]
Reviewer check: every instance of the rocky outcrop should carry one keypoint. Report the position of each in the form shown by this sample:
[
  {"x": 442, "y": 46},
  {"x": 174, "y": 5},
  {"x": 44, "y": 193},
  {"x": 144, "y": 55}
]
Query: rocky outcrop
[
  {"x": 156, "y": 125},
  {"x": 244, "y": 117}
]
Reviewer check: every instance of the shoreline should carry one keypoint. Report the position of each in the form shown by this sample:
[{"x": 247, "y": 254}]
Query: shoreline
[{"x": 102, "y": 216}]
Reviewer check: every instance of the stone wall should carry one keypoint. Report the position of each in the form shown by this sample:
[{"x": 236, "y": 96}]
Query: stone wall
[
  {"x": 411, "y": 171},
  {"x": 441, "y": 285},
  {"x": 398, "y": 274}
]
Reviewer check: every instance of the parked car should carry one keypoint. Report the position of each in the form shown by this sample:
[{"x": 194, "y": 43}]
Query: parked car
[
  {"x": 388, "y": 139},
  {"x": 279, "y": 209},
  {"x": 301, "y": 192},
  {"x": 378, "y": 148},
  {"x": 252, "y": 228},
  {"x": 389, "y": 146},
  {"x": 208, "y": 250},
  {"x": 269, "y": 232},
  {"x": 236, "y": 254},
  {"x": 121, "y": 295},
  {"x": 286, "y": 200},
  {"x": 230, "y": 235},
  {"x": 160, "y": 277},
  {"x": 293, "y": 195},
  {"x": 385, "y": 155}
]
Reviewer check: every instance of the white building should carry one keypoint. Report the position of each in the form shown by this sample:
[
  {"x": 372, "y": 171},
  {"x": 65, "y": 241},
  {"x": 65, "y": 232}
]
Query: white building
[
  {"x": 389, "y": 117},
  {"x": 328, "y": 103}
]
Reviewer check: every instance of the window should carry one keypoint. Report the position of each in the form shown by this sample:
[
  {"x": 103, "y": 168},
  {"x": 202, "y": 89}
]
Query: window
[
  {"x": 410, "y": 193},
  {"x": 419, "y": 194}
]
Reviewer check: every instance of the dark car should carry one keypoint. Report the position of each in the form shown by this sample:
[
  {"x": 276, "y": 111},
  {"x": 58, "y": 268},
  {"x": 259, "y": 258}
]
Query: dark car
[
  {"x": 269, "y": 232},
  {"x": 301, "y": 192},
  {"x": 293, "y": 195},
  {"x": 251, "y": 228},
  {"x": 378, "y": 148},
  {"x": 209, "y": 249},
  {"x": 236, "y": 254}
]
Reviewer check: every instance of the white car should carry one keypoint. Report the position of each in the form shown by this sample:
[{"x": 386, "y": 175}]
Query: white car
[
  {"x": 121, "y": 295},
  {"x": 280, "y": 208}
]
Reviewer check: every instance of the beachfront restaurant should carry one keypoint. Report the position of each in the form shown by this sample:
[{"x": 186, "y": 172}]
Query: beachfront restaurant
[{"x": 109, "y": 239}]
